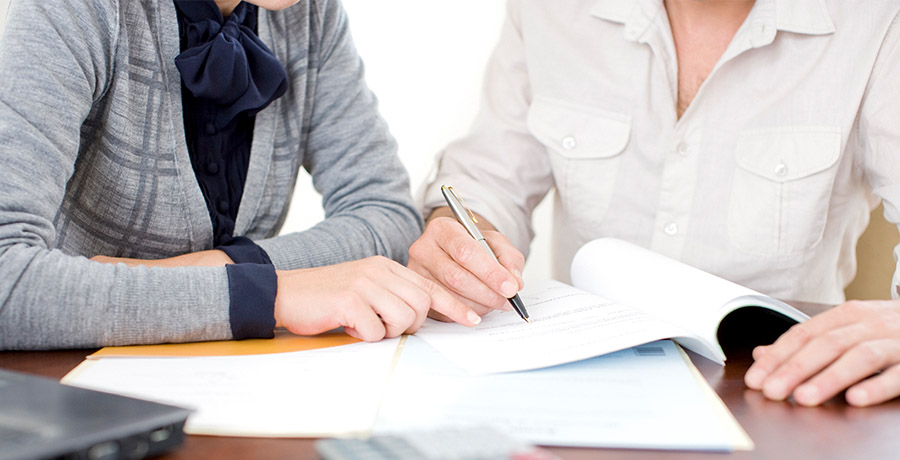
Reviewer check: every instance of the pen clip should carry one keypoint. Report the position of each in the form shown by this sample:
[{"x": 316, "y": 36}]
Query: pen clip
[
  {"x": 465, "y": 216},
  {"x": 463, "y": 203}
]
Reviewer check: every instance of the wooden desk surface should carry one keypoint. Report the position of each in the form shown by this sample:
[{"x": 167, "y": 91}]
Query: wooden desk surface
[{"x": 779, "y": 429}]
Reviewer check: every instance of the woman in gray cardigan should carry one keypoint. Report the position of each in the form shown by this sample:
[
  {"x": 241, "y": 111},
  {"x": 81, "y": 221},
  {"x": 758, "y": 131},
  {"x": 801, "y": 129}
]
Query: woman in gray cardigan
[{"x": 126, "y": 132}]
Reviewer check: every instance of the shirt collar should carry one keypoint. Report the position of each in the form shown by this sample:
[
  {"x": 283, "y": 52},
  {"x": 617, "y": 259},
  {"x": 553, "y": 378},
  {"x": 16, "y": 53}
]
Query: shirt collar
[{"x": 809, "y": 17}]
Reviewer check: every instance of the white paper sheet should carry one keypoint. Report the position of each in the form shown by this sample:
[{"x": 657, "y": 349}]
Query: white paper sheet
[
  {"x": 665, "y": 288},
  {"x": 331, "y": 391},
  {"x": 643, "y": 397},
  {"x": 567, "y": 325}
]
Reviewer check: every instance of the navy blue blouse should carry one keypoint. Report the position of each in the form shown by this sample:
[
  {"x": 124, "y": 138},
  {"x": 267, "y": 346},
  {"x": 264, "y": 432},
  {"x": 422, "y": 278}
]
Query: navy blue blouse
[{"x": 228, "y": 75}]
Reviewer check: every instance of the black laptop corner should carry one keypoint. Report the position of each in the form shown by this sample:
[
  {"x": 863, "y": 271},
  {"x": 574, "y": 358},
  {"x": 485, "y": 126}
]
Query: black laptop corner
[{"x": 44, "y": 419}]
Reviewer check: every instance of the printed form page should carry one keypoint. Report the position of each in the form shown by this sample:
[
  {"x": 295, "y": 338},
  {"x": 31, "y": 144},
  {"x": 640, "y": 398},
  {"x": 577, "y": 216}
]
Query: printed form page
[
  {"x": 648, "y": 396},
  {"x": 321, "y": 392},
  {"x": 567, "y": 325}
]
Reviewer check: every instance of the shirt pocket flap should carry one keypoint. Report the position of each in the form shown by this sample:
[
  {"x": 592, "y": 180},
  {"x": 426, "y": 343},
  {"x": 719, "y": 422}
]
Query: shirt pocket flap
[
  {"x": 787, "y": 154},
  {"x": 578, "y": 131}
]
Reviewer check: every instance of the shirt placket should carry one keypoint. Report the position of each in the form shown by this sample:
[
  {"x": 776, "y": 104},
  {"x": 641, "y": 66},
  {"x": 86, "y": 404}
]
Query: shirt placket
[{"x": 681, "y": 147}]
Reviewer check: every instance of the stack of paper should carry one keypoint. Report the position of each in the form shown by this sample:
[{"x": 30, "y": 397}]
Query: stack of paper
[{"x": 645, "y": 397}]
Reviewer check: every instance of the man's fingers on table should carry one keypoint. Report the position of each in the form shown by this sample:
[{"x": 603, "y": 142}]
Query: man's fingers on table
[
  {"x": 859, "y": 362},
  {"x": 877, "y": 389},
  {"x": 769, "y": 358},
  {"x": 816, "y": 355}
]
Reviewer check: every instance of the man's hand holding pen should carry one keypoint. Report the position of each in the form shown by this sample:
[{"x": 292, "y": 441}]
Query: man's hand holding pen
[{"x": 449, "y": 255}]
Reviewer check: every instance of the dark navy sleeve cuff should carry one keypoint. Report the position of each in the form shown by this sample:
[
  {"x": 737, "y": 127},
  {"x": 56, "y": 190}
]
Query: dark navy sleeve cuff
[
  {"x": 251, "y": 290},
  {"x": 243, "y": 250}
]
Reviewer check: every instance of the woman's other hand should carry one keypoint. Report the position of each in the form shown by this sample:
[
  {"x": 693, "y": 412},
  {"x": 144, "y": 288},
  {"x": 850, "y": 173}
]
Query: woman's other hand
[{"x": 372, "y": 299}]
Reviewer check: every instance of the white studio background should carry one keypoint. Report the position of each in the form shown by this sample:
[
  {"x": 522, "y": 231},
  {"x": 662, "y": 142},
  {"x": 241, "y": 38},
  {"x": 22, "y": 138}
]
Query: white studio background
[{"x": 425, "y": 60}]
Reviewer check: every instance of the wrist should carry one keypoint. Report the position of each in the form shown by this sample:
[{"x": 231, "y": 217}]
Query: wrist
[{"x": 445, "y": 211}]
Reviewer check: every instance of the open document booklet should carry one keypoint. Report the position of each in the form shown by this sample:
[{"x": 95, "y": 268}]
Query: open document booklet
[
  {"x": 623, "y": 295},
  {"x": 588, "y": 371}
]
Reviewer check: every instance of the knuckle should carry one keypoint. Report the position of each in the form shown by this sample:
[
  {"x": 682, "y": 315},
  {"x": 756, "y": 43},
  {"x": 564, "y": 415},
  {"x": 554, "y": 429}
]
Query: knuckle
[
  {"x": 421, "y": 301},
  {"x": 429, "y": 287},
  {"x": 438, "y": 229},
  {"x": 455, "y": 278},
  {"x": 837, "y": 340},
  {"x": 407, "y": 318},
  {"x": 463, "y": 253},
  {"x": 359, "y": 284},
  {"x": 417, "y": 250},
  {"x": 800, "y": 333},
  {"x": 871, "y": 355}
]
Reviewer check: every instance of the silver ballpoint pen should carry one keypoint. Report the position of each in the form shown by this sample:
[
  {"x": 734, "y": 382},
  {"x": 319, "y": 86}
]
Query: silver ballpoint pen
[{"x": 468, "y": 220}]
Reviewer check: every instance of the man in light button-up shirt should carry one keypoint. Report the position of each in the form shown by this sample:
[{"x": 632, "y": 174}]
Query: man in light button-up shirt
[{"x": 748, "y": 139}]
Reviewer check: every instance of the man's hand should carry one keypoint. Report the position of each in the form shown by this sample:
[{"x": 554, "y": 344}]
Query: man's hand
[
  {"x": 855, "y": 346},
  {"x": 209, "y": 258},
  {"x": 371, "y": 298},
  {"x": 448, "y": 255}
]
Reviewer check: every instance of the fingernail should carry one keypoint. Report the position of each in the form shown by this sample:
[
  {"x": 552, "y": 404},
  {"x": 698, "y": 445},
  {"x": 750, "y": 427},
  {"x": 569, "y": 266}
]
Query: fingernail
[
  {"x": 473, "y": 317},
  {"x": 517, "y": 273},
  {"x": 808, "y": 395},
  {"x": 508, "y": 289},
  {"x": 754, "y": 378}
]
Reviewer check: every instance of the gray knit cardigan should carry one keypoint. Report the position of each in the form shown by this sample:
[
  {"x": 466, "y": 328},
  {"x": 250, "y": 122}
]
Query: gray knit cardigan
[{"x": 93, "y": 160}]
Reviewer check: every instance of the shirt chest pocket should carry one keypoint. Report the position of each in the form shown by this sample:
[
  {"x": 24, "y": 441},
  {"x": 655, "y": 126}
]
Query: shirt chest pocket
[
  {"x": 782, "y": 188},
  {"x": 584, "y": 144}
]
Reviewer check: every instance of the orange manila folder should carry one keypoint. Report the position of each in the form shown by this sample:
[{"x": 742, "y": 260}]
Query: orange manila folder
[
  {"x": 283, "y": 342},
  {"x": 289, "y": 386}
]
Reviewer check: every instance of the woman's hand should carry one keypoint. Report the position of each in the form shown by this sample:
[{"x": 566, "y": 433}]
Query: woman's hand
[
  {"x": 448, "y": 255},
  {"x": 855, "y": 346},
  {"x": 372, "y": 298}
]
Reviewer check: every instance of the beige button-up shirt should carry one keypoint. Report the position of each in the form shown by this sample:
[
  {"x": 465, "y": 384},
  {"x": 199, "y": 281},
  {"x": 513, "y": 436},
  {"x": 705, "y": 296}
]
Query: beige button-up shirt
[{"x": 768, "y": 177}]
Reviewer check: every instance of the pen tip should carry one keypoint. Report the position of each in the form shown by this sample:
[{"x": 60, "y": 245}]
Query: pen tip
[{"x": 527, "y": 320}]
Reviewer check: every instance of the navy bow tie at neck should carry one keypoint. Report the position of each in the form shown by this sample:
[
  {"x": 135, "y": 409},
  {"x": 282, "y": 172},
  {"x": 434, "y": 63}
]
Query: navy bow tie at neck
[{"x": 223, "y": 60}]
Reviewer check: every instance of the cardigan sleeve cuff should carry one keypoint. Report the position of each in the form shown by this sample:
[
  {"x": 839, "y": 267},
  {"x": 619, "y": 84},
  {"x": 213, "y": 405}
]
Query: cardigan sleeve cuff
[
  {"x": 251, "y": 290},
  {"x": 243, "y": 250}
]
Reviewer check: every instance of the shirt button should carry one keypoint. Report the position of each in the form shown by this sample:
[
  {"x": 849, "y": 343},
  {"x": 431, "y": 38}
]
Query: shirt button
[
  {"x": 683, "y": 149},
  {"x": 223, "y": 206},
  {"x": 210, "y": 128},
  {"x": 569, "y": 143},
  {"x": 780, "y": 169},
  {"x": 671, "y": 229},
  {"x": 212, "y": 168}
]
